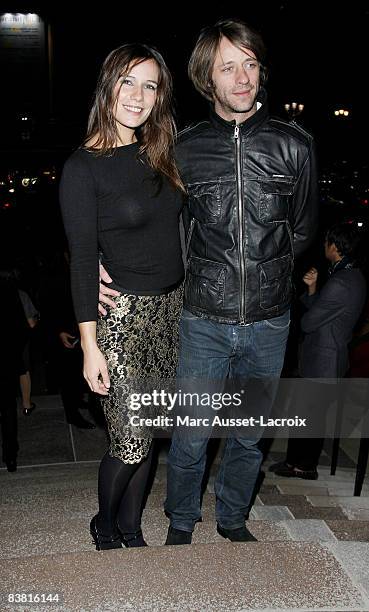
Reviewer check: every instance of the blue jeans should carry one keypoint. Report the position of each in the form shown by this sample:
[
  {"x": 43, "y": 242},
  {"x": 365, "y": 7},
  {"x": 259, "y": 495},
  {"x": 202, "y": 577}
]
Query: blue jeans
[{"x": 217, "y": 351}]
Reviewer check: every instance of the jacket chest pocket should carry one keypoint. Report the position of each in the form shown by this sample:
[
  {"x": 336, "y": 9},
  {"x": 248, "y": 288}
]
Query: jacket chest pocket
[
  {"x": 205, "y": 202},
  {"x": 275, "y": 199}
]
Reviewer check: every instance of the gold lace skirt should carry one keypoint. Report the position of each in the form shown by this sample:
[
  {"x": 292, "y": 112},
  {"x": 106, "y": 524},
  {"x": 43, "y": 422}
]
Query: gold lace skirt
[{"x": 139, "y": 340}]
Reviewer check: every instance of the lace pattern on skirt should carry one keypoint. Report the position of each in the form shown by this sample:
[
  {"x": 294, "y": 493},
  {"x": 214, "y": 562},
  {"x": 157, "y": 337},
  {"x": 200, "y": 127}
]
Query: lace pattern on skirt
[{"x": 139, "y": 340}]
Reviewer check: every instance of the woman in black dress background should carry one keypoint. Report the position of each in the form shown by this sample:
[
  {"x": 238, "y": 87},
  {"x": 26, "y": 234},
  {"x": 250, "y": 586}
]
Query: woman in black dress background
[{"x": 121, "y": 197}]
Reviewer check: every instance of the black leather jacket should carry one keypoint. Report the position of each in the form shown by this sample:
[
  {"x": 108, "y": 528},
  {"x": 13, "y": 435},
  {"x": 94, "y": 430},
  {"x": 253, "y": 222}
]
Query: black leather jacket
[{"x": 252, "y": 209}]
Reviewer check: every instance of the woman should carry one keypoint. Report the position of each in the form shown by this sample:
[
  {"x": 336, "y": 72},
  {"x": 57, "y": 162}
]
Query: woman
[
  {"x": 25, "y": 382},
  {"x": 121, "y": 197}
]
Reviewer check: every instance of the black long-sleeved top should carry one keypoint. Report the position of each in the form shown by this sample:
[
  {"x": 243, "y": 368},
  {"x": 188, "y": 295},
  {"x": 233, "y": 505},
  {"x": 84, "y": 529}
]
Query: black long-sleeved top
[{"x": 111, "y": 204}]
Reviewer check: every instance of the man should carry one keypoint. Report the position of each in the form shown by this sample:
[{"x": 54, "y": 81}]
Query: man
[
  {"x": 13, "y": 340},
  {"x": 328, "y": 323},
  {"x": 25, "y": 381},
  {"x": 252, "y": 205}
]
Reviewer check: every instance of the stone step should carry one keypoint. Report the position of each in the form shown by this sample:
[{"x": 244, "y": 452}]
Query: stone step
[
  {"x": 301, "y": 508},
  {"x": 46, "y": 546},
  {"x": 161, "y": 469},
  {"x": 305, "y": 488},
  {"x": 353, "y": 531},
  {"x": 85, "y": 474},
  {"x": 356, "y": 514},
  {"x": 39, "y": 501},
  {"x": 53, "y": 487},
  {"x": 51, "y": 502},
  {"x": 340, "y": 491},
  {"x": 223, "y": 576},
  {"x": 62, "y": 523},
  {"x": 70, "y": 486},
  {"x": 70, "y": 490},
  {"x": 77, "y": 500},
  {"x": 345, "y": 474},
  {"x": 270, "y": 513},
  {"x": 73, "y": 535},
  {"x": 309, "y": 530},
  {"x": 335, "y": 500},
  {"x": 48, "y": 474},
  {"x": 325, "y": 488},
  {"x": 49, "y": 531},
  {"x": 330, "y": 485}
]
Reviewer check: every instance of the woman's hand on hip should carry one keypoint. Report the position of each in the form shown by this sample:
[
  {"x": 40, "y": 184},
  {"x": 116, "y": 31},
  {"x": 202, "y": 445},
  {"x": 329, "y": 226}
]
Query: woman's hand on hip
[{"x": 105, "y": 292}]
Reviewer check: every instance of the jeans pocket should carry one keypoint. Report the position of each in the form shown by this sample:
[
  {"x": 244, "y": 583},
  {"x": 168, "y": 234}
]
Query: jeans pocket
[
  {"x": 188, "y": 316},
  {"x": 279, "y": 323}
]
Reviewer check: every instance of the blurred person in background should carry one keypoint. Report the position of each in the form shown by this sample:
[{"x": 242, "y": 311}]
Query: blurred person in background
[
  {"x": 14, "y": 335},
  {"x": 25, "y": 382},
  {"x": 327, "y": 325}
]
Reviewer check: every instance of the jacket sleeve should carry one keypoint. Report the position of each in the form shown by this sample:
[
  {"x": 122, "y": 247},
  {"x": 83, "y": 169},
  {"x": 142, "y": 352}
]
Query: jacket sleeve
[
  {"x": 308, "y": 300},
  {"x": 305, "y": 204},
  {"x": 328, "y": 305}
]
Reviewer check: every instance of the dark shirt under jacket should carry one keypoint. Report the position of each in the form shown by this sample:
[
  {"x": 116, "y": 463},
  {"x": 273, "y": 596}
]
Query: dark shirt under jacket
[
  {"x": 329, "y": 322},
  {"x": 112, "y": 204}
]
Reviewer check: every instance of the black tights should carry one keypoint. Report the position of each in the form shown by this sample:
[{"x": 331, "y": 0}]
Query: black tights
[{"x": 122, "y": 489}]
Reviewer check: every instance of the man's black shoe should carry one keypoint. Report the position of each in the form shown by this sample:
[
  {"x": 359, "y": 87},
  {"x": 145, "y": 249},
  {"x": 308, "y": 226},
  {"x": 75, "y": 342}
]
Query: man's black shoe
[
  {"x": 81, "y": 422},
  {"x": 177, "y": 536},
  {"x": 241, "y": 534},
  {"x": 294, "y": 472},
  {"x": 289, "y": 471}
]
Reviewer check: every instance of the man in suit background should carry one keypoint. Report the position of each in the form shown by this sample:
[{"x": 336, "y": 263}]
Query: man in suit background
[{"x": 328, "y": 324}]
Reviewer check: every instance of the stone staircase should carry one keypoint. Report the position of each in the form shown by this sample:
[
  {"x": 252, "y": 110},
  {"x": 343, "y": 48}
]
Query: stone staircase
[{"x": 312, "y": 551}]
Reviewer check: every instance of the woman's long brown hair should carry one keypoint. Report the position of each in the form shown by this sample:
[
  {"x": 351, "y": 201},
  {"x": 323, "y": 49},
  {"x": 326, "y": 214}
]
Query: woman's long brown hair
[{"x": 156, "y": 136}]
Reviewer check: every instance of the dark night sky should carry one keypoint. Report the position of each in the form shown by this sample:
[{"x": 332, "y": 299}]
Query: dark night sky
[{"x": 317, "y": 52}]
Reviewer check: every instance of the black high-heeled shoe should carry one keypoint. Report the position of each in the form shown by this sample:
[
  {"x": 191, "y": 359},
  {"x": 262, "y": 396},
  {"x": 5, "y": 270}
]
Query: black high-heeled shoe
[
  {"x": 28, "y": 411},
  {"x": 102, "y": 541},
  {"x": 132, "y": 540}
]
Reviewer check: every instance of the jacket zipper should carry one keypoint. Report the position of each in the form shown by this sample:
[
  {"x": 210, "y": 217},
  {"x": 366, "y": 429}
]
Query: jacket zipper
[{"x": 240, "y": 224}]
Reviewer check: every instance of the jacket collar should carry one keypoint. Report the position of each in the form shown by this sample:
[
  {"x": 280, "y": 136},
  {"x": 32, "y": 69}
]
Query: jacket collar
[
  {"x": 247, "y": 126},
  {"x": 343, "y": 264}
]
